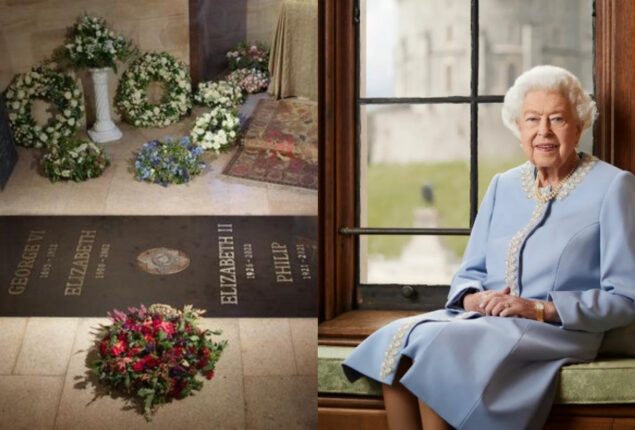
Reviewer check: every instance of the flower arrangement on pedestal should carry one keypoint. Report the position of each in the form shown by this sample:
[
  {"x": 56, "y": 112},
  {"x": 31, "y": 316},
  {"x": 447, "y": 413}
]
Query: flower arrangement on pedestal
[
  {"x": 249, "y": 56},
  {"x": 155, "y": 354},
  {"x": 168, "y": 162},
  {"x": 74, "y": 159},
  {"x": 90, "y": 44},
  {"x": 221, "y": 93},
  {"x": 216, "y": 130},
  {"x": 46, "y": 84},
  {"x": 132, "y": 99}
]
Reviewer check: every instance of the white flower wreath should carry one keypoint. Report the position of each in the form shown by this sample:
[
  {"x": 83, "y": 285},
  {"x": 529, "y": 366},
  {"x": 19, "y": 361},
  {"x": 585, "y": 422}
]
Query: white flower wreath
[
  {"x": 58, "y": 88},
  {"x": 75, "y": 159},
  {"x": 216, "y": 129},
  {"x": 220, "y": 93},
  {"x": 132, "y": 99}
]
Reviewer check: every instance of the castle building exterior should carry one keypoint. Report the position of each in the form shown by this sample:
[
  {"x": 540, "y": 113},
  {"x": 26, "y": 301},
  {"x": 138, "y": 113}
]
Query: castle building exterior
[{"x": 432, "y": 58}]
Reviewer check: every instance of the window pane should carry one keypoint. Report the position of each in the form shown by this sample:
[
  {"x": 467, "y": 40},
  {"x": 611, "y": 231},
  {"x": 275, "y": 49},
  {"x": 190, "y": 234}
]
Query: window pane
[
  {"x": 498, "y": 149},
  {"x": 517, "y": 35},
  {"x": 430, "y": 260},
  {"x": 417, "y": 157},
  {"x": 415, "y": 48}
]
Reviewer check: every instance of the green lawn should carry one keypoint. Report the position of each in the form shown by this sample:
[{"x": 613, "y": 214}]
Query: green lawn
[{"x": 394, "y": 191}]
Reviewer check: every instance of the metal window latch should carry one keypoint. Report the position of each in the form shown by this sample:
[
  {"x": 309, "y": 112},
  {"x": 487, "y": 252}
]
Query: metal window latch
[{"x": 356, "y": 15}]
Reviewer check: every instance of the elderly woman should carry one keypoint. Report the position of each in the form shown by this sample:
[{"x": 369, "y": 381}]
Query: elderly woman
[{"x": 549, "y": 267}]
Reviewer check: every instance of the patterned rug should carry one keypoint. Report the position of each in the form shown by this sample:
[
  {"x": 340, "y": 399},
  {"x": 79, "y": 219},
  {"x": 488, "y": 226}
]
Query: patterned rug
[
  {"x": 271, "y": 166},
  {"x": 279, "y": 144}
]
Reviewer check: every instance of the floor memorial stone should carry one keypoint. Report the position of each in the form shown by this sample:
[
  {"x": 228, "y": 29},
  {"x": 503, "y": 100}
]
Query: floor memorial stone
[{"x": 232, "y": 266}]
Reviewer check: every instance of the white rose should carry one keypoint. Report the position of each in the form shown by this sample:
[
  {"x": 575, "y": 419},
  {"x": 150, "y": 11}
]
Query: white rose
[
  {"x": 156, "y": 110},
  {"x": 12, "y": 116},
  {"x": 67, "y": 112},
  {"x": 67, "y": 95},
  {"x": 66, "y": 173},
  {"x": 15, "y": 105},
  {"x": 43, "y": 137}
]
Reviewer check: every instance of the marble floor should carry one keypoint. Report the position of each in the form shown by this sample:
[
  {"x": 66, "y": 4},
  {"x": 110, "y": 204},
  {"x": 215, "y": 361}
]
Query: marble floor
[
  {"x": 116, "y": 192},
  {"x": 266, "y": 378}
]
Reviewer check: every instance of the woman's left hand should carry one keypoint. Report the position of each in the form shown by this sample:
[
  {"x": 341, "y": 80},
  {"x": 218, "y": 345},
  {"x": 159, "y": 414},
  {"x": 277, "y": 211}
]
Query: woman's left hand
[{"x": 506, "y": 305}]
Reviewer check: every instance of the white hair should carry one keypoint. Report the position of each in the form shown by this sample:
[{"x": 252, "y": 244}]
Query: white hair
[{"x": 548, "y": 78}]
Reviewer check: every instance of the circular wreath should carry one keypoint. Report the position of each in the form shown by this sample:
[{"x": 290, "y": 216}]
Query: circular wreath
[
  {"x": 132, "y": 98},
  {"x": 74, "y": 159},
  {"x": 45, "y": 84},
  {"x": 216, "y": 129}
]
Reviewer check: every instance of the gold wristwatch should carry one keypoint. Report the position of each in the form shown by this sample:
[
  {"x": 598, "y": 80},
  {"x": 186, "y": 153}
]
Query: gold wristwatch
[{"x": 540, "y": 311}]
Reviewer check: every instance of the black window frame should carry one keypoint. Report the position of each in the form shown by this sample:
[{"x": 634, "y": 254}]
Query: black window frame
[{"x": 421, "y": 297}]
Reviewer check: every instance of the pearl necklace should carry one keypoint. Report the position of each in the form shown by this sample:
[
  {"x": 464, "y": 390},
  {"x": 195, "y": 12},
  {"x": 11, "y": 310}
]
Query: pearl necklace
[{"x": 544, "y": 198}]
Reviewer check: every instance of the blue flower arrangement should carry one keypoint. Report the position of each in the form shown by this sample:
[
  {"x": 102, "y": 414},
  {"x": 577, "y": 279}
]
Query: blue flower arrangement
[{"x": 168, "y": 162}]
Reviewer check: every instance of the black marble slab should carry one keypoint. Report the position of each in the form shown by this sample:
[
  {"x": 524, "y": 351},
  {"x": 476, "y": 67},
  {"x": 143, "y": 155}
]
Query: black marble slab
[{"x": 232, "y": 266}]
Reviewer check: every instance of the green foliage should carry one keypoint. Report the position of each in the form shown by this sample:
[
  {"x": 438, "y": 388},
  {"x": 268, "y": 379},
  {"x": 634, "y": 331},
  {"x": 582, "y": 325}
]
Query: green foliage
[
  {"x": 74, "y": 160},
  {"x": 45, "y": 84},
  {"x": 132, "y": 99},
  {"x": 168, "y": 162},
  {"x": 249, "y": 56},
  {"x": 90, "y": 44},
  {"x": 154, "y": 356}
]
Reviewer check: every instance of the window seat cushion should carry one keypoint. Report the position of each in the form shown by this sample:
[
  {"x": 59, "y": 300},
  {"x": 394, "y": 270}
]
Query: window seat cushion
[{"x": 604, "y": 381}]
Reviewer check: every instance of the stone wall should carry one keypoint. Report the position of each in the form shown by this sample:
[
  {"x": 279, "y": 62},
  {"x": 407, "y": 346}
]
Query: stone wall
[
  {"x": 224, "y": 23},
  {"x": 31, "y": 29}
]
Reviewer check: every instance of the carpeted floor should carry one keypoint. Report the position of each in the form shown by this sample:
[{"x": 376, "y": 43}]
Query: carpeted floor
[{"x": 279, "y": 144}]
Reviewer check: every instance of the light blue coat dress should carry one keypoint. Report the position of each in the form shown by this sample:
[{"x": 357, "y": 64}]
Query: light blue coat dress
[{"x": 577, "y": 250}]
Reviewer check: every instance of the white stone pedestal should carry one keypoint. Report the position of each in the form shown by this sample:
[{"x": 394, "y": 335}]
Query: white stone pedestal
[{"x": 104, "y": 130}]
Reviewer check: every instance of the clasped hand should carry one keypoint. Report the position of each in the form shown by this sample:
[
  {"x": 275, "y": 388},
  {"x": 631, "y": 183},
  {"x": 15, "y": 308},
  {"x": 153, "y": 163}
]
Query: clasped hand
[{"x": 500, "y": 303}]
